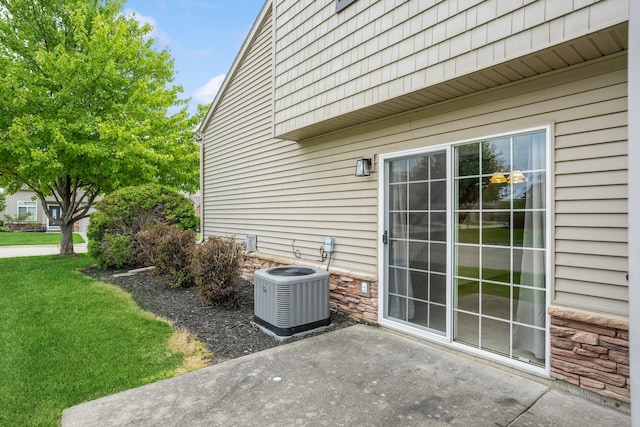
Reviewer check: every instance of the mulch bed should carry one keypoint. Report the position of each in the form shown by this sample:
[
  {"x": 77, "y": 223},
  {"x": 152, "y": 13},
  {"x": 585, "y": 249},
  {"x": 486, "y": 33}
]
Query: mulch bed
[{"x": 226, "y": 333}]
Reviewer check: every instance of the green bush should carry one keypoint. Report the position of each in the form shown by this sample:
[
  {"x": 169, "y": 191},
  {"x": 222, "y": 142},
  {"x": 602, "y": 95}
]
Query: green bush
[
  {"x": 115, "y": 251},
  {"x": 169, "y": 249},
  {"x": 17, "y": 219},
  {"x": 216, "y": 268},
  {"x": 128, "y": 211}
]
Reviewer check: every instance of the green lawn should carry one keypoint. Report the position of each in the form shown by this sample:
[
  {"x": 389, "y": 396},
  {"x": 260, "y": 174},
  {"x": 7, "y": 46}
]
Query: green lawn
[
  {"x": 66, "y": 338},
  {"x": 31, "y": 239}
]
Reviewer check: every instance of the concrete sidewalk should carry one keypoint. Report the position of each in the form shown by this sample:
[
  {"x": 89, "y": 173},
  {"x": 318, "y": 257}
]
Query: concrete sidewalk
[
  {"x": 20, "y": 251},
  {"x": 360, "y": 375}
]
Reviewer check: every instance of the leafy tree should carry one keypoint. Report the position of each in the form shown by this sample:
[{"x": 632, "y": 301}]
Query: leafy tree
[
  {"x": 3, "y": 200},
  {"x": 84, "y": 106}
]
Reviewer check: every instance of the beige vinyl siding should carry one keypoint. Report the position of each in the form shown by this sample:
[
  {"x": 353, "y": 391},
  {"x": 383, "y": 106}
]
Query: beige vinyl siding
[
  {"x": 276, "y": 189},
  {"x": 240, "y": 122},
  {"x": 284, "y": 191},
  {"x": 591, "y": 209},
  {"x": 587, "y": 107},
  {"x": 331, "y": 64}
]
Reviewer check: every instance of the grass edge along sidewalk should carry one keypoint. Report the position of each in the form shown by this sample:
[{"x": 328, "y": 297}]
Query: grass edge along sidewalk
[
  {"x": 17, "y": 238},
  {"x": 67, "y": 338}
]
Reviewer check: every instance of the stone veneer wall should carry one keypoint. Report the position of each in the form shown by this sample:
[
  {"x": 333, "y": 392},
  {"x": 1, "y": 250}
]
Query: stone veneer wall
[
  {"x": 591, "y": 350},
  {"x": 344, "y": 285}
]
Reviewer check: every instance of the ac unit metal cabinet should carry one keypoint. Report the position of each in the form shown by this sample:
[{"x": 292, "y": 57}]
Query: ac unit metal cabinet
[{"x": 289, "y": 300}]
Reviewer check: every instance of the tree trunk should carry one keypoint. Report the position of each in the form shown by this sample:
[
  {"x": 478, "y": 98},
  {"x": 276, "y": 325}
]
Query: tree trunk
[{"x": 66, "y": 239}]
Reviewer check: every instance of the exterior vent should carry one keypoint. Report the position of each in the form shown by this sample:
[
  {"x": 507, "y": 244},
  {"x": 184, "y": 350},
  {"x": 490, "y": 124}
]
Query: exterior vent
[{"x": 289, "y": 300}]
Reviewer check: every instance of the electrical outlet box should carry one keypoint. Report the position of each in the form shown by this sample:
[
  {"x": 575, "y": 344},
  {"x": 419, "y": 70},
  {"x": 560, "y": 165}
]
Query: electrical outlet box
[
  {"x": 329, "y": 243},
  {"x": 365, "y": 288},
  {"x": 251, "y": 243}
]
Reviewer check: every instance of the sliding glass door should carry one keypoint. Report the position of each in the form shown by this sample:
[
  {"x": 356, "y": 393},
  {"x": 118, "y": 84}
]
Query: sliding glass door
[
  {"x": 496, "y": 206},
  {"x": 499, "y": 254},
  {"x": 417, "y": 248}
]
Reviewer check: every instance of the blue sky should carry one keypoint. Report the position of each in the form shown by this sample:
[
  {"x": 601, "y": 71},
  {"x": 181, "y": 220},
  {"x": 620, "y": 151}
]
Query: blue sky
[{"x": 203, "y": 37}]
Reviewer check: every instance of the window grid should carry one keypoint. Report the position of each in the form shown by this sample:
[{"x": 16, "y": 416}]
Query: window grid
[
  {"x": 412, "y": 236},
  {"x": 484, "y": 214},
  {"x": 28, "y": 207}
]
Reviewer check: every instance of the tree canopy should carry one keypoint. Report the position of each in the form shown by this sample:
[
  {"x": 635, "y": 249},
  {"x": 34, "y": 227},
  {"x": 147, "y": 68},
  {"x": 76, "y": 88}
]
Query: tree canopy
[{"x": 87, "y": 106}]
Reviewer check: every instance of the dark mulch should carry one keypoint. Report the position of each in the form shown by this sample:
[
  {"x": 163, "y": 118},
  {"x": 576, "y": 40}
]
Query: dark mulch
[{"x": 226, "y": 333}]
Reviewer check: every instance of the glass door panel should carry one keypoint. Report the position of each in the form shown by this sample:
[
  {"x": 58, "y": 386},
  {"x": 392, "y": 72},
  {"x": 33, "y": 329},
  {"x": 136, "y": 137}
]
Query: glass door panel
[
  {"x": 417, "y": 250},
  {"x": 55, "y": 212},
  {"x": 499, "y": 246},
  {"x": 486, "y": 272}
]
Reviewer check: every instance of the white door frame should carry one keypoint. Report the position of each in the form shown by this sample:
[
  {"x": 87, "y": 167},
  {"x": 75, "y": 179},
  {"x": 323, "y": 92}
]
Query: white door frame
[
  {"x": 382, "y": 264},
  {"x": 49, "y": 226}
]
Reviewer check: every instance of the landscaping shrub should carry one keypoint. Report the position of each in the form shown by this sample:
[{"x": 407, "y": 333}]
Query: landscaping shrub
[
  {"x": 16, "y": 219},
  {"x": 216, "y": 269},
  {"x": 116, "y": 251},
  {"x": 21, "y": 223},
  {"x": 120, "y": 216},
  {"x": 169, "y": 249}
]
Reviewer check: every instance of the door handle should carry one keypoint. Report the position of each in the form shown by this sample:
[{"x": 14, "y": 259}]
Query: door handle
[{"x": 385, "y": 237}]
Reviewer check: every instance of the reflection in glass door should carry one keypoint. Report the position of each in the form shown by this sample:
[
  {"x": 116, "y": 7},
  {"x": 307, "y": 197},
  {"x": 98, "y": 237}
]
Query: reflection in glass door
[
  {"x": 499, "y": 246},
  {"x": 484, "y": 275},
  {"x": 417, "y": 234}
]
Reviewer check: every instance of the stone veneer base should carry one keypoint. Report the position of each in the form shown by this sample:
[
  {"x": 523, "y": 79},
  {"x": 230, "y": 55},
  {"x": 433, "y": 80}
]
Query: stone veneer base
[
  {"x": 591, "y": 350},
  {"x": 344, "y": 285}
]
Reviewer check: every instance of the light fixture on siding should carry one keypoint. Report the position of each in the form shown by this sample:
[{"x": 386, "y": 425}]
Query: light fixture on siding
[{"x": 363, "y": 167}]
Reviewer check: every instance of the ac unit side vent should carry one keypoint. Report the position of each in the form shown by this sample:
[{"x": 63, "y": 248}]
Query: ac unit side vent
[{"x": 289, "y": 302}]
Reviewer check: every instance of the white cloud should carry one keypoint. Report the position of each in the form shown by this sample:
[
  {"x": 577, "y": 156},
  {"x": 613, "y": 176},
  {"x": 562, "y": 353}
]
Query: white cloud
[
  {"x": 164, "y": 39},
  {"x": 156, "y": 32},
  {"x": 205, "y": 94}
]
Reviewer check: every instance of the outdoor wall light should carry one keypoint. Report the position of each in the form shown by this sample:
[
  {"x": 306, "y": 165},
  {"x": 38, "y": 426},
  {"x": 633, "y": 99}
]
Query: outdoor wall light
[{"x": 363, "y": 167}]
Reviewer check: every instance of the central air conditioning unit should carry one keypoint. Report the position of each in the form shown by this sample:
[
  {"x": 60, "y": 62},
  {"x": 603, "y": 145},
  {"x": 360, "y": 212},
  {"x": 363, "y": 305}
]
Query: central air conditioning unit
[{"x": 290, "y": 300}]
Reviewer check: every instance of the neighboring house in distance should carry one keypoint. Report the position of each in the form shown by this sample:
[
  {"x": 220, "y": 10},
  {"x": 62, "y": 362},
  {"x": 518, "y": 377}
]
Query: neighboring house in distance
[
  {"x": 494, "y": 216},
  {"x": 195, "y": 199},
  {"x": 24, "y": 201}
]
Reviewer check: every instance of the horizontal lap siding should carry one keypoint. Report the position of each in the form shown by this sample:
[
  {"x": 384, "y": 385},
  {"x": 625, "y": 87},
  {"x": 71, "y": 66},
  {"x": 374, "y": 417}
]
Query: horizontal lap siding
[
  {"x": 240, "y": 125},
  {"x": 587, "y": 106},
  {"x": 591, "y": 208},
  {"x": 293, "y": 194},
  {"x": 289, "y": 195}
]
